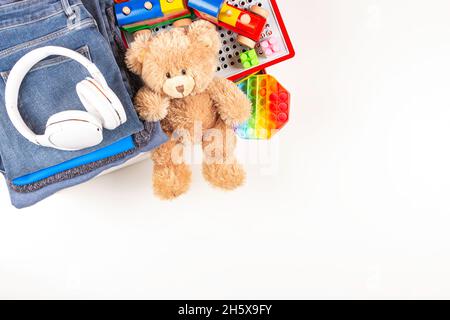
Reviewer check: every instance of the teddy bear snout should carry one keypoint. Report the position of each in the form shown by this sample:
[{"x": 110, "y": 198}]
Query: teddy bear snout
[{"x": 180, "y": 89}]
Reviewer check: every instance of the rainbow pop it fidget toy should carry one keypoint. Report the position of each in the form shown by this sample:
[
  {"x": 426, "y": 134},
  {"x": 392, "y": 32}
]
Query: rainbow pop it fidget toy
[{"x": 270, "y": 101}]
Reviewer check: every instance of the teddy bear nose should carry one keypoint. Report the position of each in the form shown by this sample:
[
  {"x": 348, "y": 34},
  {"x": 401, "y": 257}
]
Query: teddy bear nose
[{"x": 180, "y": 89}]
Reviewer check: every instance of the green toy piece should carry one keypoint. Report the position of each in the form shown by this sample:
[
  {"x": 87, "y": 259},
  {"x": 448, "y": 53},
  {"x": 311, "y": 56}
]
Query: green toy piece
[
  {"x": 249, "y": 59},
  {"x": 157, "y": 25}
]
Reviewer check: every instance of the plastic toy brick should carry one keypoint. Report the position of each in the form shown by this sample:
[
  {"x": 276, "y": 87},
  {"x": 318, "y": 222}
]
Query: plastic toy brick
[
  {"x": 172, "y": 6},
  {"x": 271, "y": 104},
  {"x": 133, "y": 15},
  {"x": 210, "y": 8},
  {"x": 249, "y": 59},
  {"x": 269, "y": 47},
  {"x": 134, "y": 11},
  {"x": 249, "y": 25},
  {"x": 229, "y": 15}
]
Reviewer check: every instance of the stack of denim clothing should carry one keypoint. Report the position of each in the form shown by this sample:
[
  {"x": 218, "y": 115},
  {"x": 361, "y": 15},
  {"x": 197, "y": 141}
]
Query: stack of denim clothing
[{"x": 33, "y": 172}]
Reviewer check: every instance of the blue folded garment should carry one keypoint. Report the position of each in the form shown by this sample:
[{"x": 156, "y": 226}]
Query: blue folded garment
[
  {"x": 104, "y": 14},
  {"x": 154, "y": 139},
  {"x": 110, "y": 151}
]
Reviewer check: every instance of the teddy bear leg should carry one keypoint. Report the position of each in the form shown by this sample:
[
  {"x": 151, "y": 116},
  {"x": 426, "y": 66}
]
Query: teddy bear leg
[
  {"x": 220, "y": 167},
  {"x": 171, "y": 176}
]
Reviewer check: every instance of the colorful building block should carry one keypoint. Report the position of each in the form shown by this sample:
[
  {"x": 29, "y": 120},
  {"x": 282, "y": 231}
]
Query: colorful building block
[
  {"x": 230, "y": 15},
  {"x": 133, "y": 15},
  {"x": 271, "y": 104},
  {"x": 134, "y": 11},
  {"x": 248, "y": 23},
  {"x": 210, "y": 8},
  {"x": 172, "y": 6},
  {"x": 249, "y": 59},
  {"x": 269, "y": 47}
]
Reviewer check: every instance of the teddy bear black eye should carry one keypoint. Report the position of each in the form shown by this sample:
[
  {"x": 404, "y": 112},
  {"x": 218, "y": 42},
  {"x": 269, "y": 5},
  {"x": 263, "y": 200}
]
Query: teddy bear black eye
[
  {"x": 183, "y": 72},
  {"x": 168, "y": 75}
]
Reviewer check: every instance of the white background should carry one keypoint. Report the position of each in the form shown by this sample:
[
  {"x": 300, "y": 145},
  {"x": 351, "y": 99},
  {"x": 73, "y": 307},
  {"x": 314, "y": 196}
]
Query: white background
[{"x": 358, "y": 208}]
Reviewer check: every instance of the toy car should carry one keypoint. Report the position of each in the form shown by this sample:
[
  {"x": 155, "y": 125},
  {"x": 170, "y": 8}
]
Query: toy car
[
  {"x": 134, "y": 15},
  {"x": 249, "y": 25}
]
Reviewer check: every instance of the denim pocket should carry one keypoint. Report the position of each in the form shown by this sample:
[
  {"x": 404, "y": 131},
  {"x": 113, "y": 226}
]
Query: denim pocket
[
  {"x": 49, "y": 62},
  {"x": 49, "y": 88}
]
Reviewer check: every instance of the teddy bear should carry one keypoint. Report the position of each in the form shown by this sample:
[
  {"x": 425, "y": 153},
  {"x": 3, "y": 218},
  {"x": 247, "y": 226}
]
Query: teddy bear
[{"x": 178, "y": 68}]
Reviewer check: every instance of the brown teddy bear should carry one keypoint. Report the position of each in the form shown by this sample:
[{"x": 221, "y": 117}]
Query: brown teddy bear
[{"x": 178, "y": 69}]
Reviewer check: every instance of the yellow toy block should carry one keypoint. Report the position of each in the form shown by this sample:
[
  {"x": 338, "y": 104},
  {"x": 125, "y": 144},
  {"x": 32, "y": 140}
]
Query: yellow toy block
[
  {"x": 229, "y": 15},
  {"x": 172, "y": 6}
]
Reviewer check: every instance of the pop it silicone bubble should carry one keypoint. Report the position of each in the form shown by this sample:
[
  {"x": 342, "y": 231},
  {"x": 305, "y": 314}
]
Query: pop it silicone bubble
[{"x": 270, "y": 101}]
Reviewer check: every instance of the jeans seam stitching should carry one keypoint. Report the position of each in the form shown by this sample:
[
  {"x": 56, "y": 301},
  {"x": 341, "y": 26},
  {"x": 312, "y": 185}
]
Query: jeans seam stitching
[
  {"x": 84, "y": 50},
  {"x": 48, "y": 37},
  {"x": 37, "y": 20},
  {"x": 8, "y": 5}
]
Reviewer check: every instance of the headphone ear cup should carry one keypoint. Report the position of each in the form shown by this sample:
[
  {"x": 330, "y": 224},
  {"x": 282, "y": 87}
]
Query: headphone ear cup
[
  {"x": 73, "y": 130},
  {"x": 75, "y": 115},
  {"x": 97, "y": 102},
  {"x": 116, "y": 104}
]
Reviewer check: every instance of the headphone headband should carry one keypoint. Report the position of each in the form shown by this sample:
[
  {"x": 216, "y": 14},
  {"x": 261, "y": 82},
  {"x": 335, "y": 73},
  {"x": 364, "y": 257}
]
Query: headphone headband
[{"x": 21, "y": 69}]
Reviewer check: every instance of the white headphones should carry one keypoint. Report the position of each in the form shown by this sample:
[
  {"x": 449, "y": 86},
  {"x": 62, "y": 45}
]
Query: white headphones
[{"x": 68, "y": 130}]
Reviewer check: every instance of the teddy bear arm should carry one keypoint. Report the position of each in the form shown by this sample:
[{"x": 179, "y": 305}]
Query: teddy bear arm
[
  {"x": 151, "y": 106},
  {"x": 232, "y": 104}
]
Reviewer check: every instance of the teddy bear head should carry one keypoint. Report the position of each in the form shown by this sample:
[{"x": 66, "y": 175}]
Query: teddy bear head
[{"x": 178, "y": 62}]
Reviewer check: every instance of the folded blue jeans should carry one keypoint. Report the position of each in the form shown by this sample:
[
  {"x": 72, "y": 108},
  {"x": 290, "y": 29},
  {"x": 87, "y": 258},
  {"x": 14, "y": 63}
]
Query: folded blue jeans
[
  {"x": 143, "y": 144},
  {"x": 104, "y": 14},
  {"x": 50, "y": 86},
  {"x": 119, "y": 147},
  {"x": 151, "y": 134}
]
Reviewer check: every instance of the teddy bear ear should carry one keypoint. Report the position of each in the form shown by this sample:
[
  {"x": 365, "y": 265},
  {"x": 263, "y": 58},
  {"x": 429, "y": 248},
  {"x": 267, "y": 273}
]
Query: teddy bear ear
[
  {"x": 204, "y": 33},
  {"x": 138, "y": 48}
]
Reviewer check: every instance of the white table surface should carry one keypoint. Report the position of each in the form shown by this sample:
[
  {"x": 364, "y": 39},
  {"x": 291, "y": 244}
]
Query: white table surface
[{"x": 352, "y": 203}]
